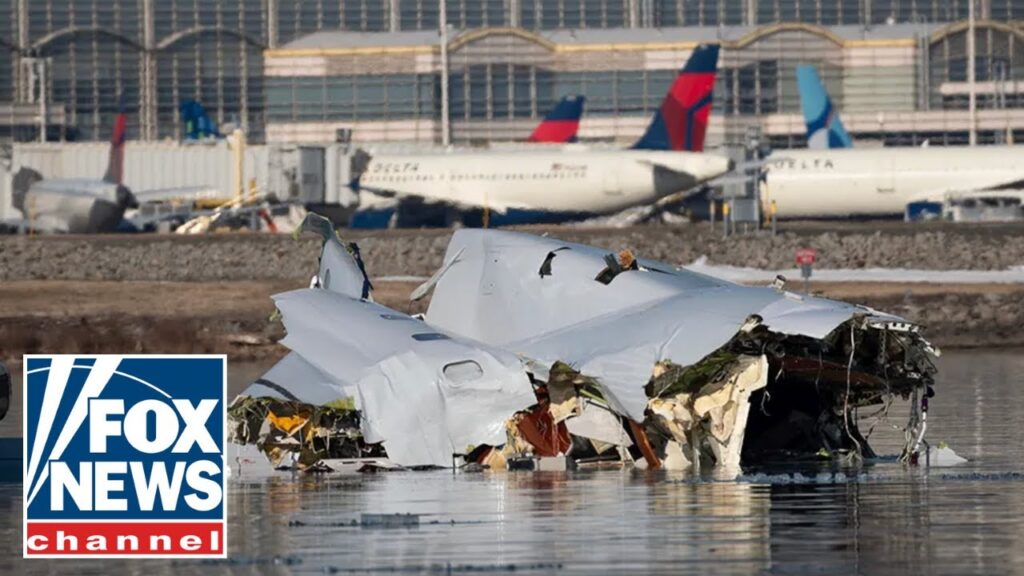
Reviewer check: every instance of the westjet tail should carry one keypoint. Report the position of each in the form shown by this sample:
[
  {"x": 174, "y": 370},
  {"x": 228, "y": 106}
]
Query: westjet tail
[
  {"x": 562, "y": 123},
  {"x": 824, "y": 128},
  {"x": 682, "y": 120},
  {"x": 198, "y": 124}
]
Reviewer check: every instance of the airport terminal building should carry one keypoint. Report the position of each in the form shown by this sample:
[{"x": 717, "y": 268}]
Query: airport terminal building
[{"x": 313, "y": 71}]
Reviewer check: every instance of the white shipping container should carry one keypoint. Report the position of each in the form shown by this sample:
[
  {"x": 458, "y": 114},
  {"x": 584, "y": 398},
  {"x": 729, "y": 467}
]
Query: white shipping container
[{"x": 148, "y": 165}]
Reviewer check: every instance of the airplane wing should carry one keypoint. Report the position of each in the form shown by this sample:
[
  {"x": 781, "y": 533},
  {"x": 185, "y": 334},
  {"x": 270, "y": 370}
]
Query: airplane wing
[
  {"x": 740, "y": 174},
  {"x": 991, "y": 204},
  {"x": 998, "y": 189},
  {"x": 182, "y": 194},
  {"x": 140, "y": 220}
]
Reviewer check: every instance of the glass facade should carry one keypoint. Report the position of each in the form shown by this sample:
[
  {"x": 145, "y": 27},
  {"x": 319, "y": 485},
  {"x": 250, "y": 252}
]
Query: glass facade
[
  {"x": 998, "y": 67},
  {"x": 1003, "y": 10},
  {"x": 98, "y": 54},
  {"x": 352, "y": 98},
  {"x": 507, "y": 92},
  {"x": 152, "y": 54},
  {"x": 858, "y": 12},
  {"x": 297, "y": 18},
  {"x": 699, "y": 12},
  {"x": 555, "y": 14}
]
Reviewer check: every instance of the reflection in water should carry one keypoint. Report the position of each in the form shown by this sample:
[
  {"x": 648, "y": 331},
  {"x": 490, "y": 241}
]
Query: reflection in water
[{"x": 883, "y": 519}]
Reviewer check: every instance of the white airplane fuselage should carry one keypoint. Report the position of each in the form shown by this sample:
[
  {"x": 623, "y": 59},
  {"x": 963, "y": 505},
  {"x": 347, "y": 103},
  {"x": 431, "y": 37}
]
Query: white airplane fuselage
[
  {"x": 565, "y": 180},
  {"x": 76, "y": 206},
  {"x": 881, "y": 181}
]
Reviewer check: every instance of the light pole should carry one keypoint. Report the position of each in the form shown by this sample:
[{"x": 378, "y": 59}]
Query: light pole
[
  {"x": 972, "y": 100},
  {"x": 446, "y": 132}
]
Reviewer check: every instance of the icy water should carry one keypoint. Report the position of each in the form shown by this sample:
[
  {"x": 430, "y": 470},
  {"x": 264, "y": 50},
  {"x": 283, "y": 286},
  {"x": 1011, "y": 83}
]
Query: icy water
[{"x": 881, "y": 519}]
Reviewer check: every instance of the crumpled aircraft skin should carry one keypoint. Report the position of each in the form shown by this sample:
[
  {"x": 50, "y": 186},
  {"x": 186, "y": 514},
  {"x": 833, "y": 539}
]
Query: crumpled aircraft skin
[
  {"x": 615, "y": 332},
  {"x": 533, "y": 347}
]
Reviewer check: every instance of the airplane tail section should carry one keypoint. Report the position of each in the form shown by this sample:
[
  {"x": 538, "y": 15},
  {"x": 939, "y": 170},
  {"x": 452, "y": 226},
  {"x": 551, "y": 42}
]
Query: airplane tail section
[
  {"x": 115, "y": 164},
  {"x": 562, "y": 123},
  {"x": 198, "y": 125},
  {"x": 824, "y": 128},
  {"x": 682, "y": 120}
]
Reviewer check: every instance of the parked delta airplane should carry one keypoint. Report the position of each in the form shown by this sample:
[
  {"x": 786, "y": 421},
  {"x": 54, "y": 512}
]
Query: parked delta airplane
[
  {"x": 76, "y": 205},
  {"x": 544, "y": 185},
  {"x": 80, "y": 205},
  {"x": 562, "y": 123},
  {"x": 839, "y": 182},
  {"x": 884, "y": 181}
]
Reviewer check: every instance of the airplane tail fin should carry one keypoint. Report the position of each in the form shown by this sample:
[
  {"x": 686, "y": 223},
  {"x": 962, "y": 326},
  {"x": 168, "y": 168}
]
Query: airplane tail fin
[
  {"x": 562, "y": 123},
  {"x": 198, "y": 125},
  {"x": 115, "y": 164},
  {"x": 682, "y": 120},
  {"x": 824, "y": 128}
]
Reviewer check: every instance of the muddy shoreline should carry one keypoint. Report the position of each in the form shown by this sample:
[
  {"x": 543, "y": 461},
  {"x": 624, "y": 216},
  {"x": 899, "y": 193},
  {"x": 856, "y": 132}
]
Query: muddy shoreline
[
  {"x": 235, "y": 318},
  {"x": 182, "y": 294}
]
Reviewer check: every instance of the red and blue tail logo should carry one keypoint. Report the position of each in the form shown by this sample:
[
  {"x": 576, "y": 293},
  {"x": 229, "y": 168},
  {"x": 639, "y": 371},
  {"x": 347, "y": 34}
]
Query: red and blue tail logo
[
  {"x": 682, "y": 120},
  {"x": 115, "y": 164},
  {"x": 562, "y": 123}
]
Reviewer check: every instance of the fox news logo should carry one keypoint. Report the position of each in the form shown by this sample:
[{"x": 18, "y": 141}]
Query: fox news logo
[{"x": 124, "y": 456}]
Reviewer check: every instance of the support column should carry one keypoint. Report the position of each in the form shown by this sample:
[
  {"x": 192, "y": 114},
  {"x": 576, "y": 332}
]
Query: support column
[
  {"x": 985, "y": 9},
  {"x": 446, "y": 134},
  {"x": 22, "y": 80},
  {"x": 42, "y": 72},
  {"x": 272, "y": 24},
  {"x": 513, "y": 7},
  {"x": 394, "y": 16},
  {"x": 147, "y": 89},
  {"x": 750, "y": 18},
  {"x": 633, "y": 20},
  {"x": 243, "y": 80},
  {"x": 972, "y": 99}
]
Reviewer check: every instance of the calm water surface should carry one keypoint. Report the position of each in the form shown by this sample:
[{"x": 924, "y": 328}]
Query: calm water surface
[{"x": 880, "y": 519}]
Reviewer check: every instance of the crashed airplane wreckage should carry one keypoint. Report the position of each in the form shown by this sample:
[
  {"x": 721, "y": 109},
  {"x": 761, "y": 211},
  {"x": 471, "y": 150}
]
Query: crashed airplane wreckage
[{"x": 540, "y": 353}]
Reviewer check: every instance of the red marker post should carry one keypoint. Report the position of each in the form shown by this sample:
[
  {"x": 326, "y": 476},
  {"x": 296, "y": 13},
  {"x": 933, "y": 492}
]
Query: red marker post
[{"x": 805, "y": 259}]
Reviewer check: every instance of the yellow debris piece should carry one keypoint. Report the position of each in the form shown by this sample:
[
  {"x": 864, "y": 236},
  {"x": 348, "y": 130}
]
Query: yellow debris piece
[{"x": 288, "y": 424}]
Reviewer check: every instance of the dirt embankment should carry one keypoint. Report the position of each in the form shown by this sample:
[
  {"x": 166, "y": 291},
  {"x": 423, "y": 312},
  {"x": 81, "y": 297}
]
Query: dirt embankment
[
  {"x": 212, "y": 293},
  {"x": 244, "y": 257},
  {"x": 235, "y": 318}
]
